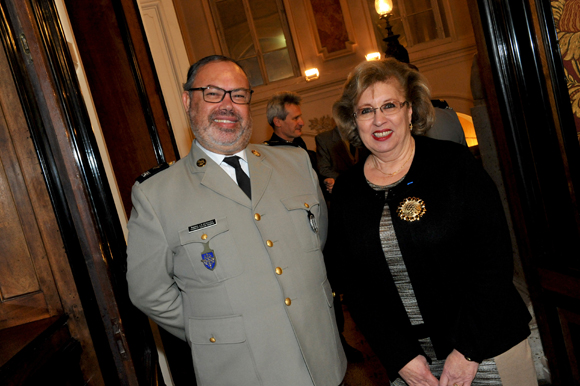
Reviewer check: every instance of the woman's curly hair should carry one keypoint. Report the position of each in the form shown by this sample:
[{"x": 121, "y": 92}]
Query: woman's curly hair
[{"x": 411, "y": 82}]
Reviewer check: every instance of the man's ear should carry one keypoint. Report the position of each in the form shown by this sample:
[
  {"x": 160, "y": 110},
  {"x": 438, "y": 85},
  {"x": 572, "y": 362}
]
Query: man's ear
[
  {"x": 276, "y": 122},
  {"x": 185, "y": 98}
]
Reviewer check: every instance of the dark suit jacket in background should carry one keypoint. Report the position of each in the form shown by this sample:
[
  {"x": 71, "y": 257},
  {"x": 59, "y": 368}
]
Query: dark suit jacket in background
[
  {"x": 276, "y": 140},
  {"x": 333, "y": 155}
]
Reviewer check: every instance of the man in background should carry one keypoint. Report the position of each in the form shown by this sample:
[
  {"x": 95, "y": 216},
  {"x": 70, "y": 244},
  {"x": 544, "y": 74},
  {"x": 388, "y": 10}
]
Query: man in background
[{"x": 285, "y": 117}]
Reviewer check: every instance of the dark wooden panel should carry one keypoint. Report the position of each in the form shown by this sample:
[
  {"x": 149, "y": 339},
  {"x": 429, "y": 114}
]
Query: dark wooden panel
[
  {"x": 123, "y": 86},
  {"x": 40, "y": 353},
  {"x": 17, "y": 275},
  {"x": 23, "y": 309},
  {"x": 28, "y": 288},
  {"x": 563, "y": 284},
  {"x": 570, "y": 322},
  {"x": 147, "y": 80}
]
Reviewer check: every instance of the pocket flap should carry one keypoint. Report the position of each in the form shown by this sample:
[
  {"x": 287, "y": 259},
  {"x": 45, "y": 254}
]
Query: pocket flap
[
  {"x": 305, "y": 201},
  {"x": 224, "y": 330},
  {"x": 195, "y": 233}
]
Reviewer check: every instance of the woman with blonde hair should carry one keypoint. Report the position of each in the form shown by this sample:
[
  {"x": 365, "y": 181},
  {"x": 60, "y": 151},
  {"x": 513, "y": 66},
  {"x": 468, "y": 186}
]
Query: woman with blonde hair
[{"x": 419, "y": 244}]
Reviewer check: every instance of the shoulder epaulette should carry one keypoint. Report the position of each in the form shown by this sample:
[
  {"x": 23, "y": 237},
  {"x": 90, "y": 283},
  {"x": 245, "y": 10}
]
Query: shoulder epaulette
[
  {"x": 151, "y": 172},
  {"x": 280, "y": 143}
]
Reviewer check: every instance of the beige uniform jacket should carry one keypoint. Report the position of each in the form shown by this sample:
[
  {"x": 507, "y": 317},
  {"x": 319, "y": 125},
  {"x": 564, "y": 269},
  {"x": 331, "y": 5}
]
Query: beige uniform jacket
[{"x": 263, "y": 315}]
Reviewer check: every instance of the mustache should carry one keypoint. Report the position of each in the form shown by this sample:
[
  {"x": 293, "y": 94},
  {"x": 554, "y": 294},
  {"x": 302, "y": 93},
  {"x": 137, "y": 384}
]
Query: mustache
[{"x": 225, "y": 113}]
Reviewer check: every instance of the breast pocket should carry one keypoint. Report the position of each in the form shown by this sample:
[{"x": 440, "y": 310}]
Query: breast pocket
[
  {"x": 212, "y": 252},
  {"x": 304, "y": 210}
]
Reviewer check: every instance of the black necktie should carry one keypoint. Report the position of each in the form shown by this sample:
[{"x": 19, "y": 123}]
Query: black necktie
[{"x": 241, "y": 177}]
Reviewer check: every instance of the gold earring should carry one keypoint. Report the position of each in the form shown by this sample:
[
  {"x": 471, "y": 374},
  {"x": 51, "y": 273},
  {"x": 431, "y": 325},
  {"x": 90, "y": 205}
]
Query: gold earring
[{"x": 411, "y": 126}]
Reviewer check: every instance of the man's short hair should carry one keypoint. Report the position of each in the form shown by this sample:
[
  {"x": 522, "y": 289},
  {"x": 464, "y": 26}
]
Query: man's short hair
[
  {"x": 195, "y": 67},
  {"x": 276, "y": 105}
]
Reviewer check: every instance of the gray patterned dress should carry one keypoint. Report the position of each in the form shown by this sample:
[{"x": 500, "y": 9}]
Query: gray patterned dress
[{"x": 487, "y": 374}]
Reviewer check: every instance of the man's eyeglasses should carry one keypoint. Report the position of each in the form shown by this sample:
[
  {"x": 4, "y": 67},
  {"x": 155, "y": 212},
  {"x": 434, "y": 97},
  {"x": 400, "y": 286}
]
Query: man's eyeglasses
[
  {"x": 388, "y": 108},
  {"x": 212, "y": 94}
]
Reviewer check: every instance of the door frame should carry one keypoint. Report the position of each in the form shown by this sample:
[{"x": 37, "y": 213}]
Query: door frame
[{"x": 533, "y": 126}]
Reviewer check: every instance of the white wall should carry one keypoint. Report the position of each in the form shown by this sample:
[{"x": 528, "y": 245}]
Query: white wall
[{"x": 446, "y": 64}]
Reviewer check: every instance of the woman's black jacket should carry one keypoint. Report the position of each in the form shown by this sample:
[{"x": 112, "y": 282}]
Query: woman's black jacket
[{"x": 458, "y": 256}]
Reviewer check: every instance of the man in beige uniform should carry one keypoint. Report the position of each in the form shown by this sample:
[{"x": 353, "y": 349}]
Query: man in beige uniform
[{"x": 225, "y": 247}]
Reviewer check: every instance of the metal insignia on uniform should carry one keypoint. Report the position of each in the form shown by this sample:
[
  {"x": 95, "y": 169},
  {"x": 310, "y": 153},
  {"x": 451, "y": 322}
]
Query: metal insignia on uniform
[
  {"x": 201, "y": 162},
  {"x": 411, "y": 209},
  {"x": 208, "y": 257},
  {"x": 256, "y": 153},
  {"x": 312, "y": 220}
]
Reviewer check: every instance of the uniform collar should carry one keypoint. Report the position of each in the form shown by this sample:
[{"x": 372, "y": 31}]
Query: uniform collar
[{"x": 218, "y": 158}]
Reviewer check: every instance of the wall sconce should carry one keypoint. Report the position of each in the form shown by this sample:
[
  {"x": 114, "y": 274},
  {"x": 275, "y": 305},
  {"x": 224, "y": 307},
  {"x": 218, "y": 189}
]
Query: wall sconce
[
  {"x": 384, "y": 8},
  {"x": 373, "y": 56},
  {"x": 311, "y": 74}
]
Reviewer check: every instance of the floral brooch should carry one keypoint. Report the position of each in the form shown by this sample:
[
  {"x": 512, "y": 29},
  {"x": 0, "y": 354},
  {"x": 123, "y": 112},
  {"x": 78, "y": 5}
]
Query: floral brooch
[{"x": 411, "y": 209}]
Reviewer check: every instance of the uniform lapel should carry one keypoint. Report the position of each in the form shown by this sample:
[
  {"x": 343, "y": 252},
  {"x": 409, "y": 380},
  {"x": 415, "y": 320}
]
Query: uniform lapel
[
  {"x": 260, "y": 173},
  {"x": 215, "y": 178}
]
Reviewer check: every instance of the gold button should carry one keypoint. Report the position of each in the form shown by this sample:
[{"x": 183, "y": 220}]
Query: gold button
[
  {"x": 269, "y": 243},
  {"x": 257, "y": 217},
  {"x": 278, "y": 270},
  {"x": 306, "y": 205},
  {"x": 212, "y": 339},
  {"x": 288, "y": 301},
  {"x": 204, "y": 236},
  {"x": 334, "y": 294}
]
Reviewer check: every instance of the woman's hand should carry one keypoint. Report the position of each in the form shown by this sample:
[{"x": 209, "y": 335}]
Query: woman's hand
[
  {"x": 458, "y": 371},
  {"x": 417, "y": 373}
]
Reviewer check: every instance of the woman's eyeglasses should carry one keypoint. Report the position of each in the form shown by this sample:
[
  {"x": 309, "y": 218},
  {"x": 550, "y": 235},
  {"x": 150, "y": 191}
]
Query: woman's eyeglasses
[{"x": 388, "y": 108}]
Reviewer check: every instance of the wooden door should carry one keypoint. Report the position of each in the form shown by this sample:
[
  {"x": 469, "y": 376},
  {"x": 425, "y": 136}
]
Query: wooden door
[
  {"x": 533, "y": 123},
  {"x": 27, "y": 288},
  {"x": 86, "y": 230},
  {"x": 36, "y": 281}
]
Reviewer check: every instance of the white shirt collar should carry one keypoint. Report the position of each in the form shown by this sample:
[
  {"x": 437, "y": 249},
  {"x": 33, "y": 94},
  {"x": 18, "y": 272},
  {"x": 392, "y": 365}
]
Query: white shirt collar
[{"x": 218, "y": 158}]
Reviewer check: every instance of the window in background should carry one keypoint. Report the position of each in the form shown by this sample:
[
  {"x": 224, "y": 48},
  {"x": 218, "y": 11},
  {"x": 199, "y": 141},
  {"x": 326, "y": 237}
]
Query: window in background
[
  {"x": 417, "y": 21},
  {"x": 256, "y": 34}
]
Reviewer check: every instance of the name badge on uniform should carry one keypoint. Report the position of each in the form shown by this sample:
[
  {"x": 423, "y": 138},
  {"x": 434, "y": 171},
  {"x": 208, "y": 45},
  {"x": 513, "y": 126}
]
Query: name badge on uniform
[
  {"x": 312, "y": 221},
  {"x": 208, "y": 257},
  {"x": 201, "y": 225}
]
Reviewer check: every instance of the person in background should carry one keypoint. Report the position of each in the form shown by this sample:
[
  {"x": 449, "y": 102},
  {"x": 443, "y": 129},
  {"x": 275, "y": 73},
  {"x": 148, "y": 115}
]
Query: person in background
[
  {"x": 420, "y": 244},
  {"x": 285, "y": 117},
  {"x": 335, "y": 156},
  {"x": 225, "y": 247},
  {"x": 446, "y": 125}
]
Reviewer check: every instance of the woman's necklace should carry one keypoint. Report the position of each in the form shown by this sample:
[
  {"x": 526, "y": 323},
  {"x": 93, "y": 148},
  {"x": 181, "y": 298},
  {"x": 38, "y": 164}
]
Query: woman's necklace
[{"x": 376, "y": 166}]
